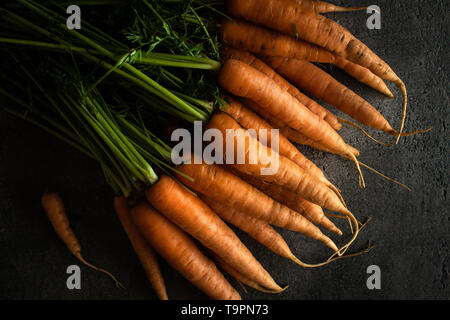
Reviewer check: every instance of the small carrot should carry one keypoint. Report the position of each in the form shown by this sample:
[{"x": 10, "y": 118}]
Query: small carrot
[
  {"x": 56, "y": 213},
  {"x": 250, "y": 120},
  {"x": 195, "y": 217},
  {"x": 245, "y": 81},
  {"x": 358, "y": 72},
  {"x": 145, "y": 253},
  {"x": 236, "y": 275},
  {"x": 259, "y": 230},
  {"x": 323, "y": 86},
  {"x": 221, "y": 185},
  {"x": 321, "y": 112},
  {"x": 287, "y": 17},
  {"x": 290, "y": 133},
  {"x": 180, "y": 251},
  {"x": 309, "y": 210},
  {"x": 259, "y": 40},
  {"x": 285, "y": 172},
  {"x": 263, "y": 233},
  {"x": 363, "y": 75}
]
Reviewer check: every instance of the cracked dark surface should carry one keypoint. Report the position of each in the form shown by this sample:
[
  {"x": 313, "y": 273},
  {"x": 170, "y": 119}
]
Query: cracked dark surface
[{"x": 412, "y": 229}]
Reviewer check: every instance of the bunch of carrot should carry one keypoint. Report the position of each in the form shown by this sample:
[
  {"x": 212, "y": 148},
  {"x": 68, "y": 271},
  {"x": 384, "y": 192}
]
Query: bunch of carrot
[
  {"x": 182, "y": 212},
  {"x": 289, "y": 35}
]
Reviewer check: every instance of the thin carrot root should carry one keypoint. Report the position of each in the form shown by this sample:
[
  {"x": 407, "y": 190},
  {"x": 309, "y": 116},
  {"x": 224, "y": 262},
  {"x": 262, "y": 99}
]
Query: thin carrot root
[
  {"x": 339, "y": 216},
  {"x": 365, "y": 223},
  {"x": 118, "y": 284},
  {"x": 393, "y": 132},
  {"x": 357, "y": 126},
  {"x": 333, "y": 257},
  {"x": 358, "y": 169},
  {"x": 344, "y": 248},
  {"x": 56, "y": 213},
  {"x": 355, "y": 233},
  {"x": 363, "y": 251},
  {"x": 350, "y": 225},
  {"x": 402, "y": 88},
  {"x": 382, "y": 175},
  {"x": 338, "y": 193},
  {"x": 407, "y": 134}
]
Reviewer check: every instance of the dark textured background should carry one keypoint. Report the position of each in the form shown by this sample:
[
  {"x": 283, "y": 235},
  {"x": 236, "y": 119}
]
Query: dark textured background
[{"x": 412, "y": 229}]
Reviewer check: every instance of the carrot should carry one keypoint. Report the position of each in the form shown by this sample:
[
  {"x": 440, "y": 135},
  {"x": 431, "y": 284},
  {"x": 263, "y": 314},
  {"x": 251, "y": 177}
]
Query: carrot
[
  {"x": 236, "y": 275},
  {"x": 324, "y": 7},
  {"x": 245, "y": 81},
  {"x": 231, "y": 53},
  {"x": 299, "y": 138},
  {"x": 309, "y": 210},
  {"x": 56, "y": 213},
  {"x": 358, "y": 72},
  {"x": 245, "y": 36},
  {"x": 288, "y": 17},
  {"x": 286, "y": 173},
  {"x": 290, "y": 133},
  {"x": 259, "y": 230},
  {"x": 239, "y": 277},
  {"x": 180, "y": 251},
  {"x": 250, "y": 120},
  {"x": 363, "y": 75},
  {"x": 221, "y": 185},
  {"x": 196, "y": 218},
  {"x": 145, "y": 253},
  {"x": 323, "y": 86}
]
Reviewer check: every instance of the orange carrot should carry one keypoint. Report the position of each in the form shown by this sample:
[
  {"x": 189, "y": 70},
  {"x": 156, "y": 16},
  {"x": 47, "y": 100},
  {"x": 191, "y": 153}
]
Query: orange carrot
[
  {"x": 358, "y": 72},
  {"x": 288, "y": 17},
  {"x": 145, "y": 253},
  {"x": 56, "y": 213},
  {"x": 259, "y": 230},
  {"x": 321, "y": 112},
  {"x": 196, "y": 218},
  {"x": 221, "y": 185},
  {"x": 290, "y": 133},
  {"x": 249, "y": 120},
  {"x": 299, "y": 138},
  {"x": 236, "y": 275},
  {"x": 180, "y": 251},
  {"x": 284, "y": 172},
  {"x": 245, "y": 36},
  {"x": 263, "y": 233},
  {"x": 245, "y": 81},
  {"x": 363, "y": 75},
  {"x": 323, "y": 86},
  {"x": 324, "y": 7},
  {"x": 309, "y": 210}
]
